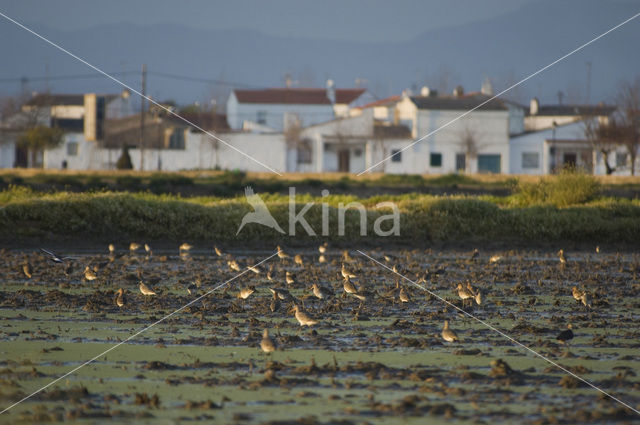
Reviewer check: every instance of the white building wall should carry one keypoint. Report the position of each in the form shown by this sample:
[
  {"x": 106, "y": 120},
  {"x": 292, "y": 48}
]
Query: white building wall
[
  {"x": 87, "y": 156},
  {"x": 516, "y": 119},
  {"x": 7, "y": 153},
  {"x": 529, "y": 144},
  {"x": 200, "y": 153},
  {"x": 490, "y": 128}
]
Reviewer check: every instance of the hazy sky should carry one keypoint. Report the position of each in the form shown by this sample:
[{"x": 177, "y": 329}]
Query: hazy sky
[{"x": 372, "y": 20}]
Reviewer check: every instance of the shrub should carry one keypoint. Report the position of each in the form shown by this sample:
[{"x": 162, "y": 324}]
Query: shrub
[
  {"x": 570, "y": 187},
  {"x": 124, "y": 162}
]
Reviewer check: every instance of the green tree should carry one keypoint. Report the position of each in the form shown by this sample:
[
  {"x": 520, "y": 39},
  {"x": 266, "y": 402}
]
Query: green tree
[{"x": 40, "y": 138}]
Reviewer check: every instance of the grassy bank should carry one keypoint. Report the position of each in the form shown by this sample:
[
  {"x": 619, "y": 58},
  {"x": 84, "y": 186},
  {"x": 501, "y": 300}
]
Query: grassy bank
[{"x": 26, "y": 215}]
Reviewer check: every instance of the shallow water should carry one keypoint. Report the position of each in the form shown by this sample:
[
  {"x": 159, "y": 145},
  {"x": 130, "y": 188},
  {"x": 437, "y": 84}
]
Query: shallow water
[{"x": 373, "y": 362}]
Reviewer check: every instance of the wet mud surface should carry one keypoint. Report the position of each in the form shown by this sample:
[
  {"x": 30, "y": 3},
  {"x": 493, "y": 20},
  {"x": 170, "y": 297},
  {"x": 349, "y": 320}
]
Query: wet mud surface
[{"x": 377, "y": 360}]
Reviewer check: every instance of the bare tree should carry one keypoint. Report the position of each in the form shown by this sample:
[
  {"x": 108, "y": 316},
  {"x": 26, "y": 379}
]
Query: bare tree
[
  {"x": 293, "y": 133},
  {"x": 469, "y": 143},
  {"x": 627, "y": 122},
  {"x": 601, "y": 140}
]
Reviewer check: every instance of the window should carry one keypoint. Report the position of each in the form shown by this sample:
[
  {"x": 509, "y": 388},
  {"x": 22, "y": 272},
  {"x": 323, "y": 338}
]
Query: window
[
  {"x": 396, "y": 155},
  {"x": 435, "y": 160},
  {"x": 357, "y": 153},
  {"x": 72, "y": 148},
  {"x": 530, "y": 160},
  {"x": 621, "y": 159},
  {"x": 176, "y": 140},
  {"x": 489, "y": 163},
  {"x": 304, "y": 151},
  {"x": 261, "y": 117},
  {"x": 461, "y": 162}
]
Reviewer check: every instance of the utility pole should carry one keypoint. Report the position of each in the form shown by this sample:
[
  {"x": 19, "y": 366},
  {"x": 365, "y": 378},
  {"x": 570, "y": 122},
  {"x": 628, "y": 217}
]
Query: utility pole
[
  {"x": 588, "y": 82},
  {"x": 142, "y": 113}
]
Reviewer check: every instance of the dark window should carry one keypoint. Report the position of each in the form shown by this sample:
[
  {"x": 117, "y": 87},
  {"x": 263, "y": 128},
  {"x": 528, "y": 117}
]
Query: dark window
[
  {"x": 176, "y": 140},
  {"x": 489, "y": 164},
  {"x": 396, "y": 155},
  {"x": 621, "y": 159},
  {"x": 261, "y": 117},
  {"x": 72, "y": 148},
  {"x": 435, "y": 160},
  {"x": 530, "y": 160}
]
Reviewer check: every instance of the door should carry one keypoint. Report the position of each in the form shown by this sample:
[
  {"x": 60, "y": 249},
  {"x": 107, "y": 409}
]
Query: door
[
  {"x": 461, "y": 162},
  {"x": 343, "y": 160},
  {"x": 569, "y": 159}
]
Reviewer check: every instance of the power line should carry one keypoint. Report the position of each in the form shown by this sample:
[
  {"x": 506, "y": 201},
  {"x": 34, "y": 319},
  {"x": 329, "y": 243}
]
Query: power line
[
  {"x": 203, "y": 80},
  {"x": 63, "y": 77}
]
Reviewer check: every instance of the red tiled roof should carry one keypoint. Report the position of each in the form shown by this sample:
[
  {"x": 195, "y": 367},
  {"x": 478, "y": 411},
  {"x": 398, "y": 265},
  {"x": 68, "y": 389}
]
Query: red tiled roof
[{"x": 298, "y": 96}]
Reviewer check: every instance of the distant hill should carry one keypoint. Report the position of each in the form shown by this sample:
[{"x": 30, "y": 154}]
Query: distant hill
[{"x": 504, "y": 48}]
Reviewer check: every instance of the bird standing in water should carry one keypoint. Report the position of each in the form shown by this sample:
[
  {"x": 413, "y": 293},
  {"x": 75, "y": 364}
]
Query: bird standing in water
[
  {"x": 303, "y": 318},
  {"x": 27, "y": 270},
  {"x": 267, "y": 345},
  {"x": 120, "y": 297},
  {"x": 561, "y": 257},
  {"x": 448, "y": 334}
]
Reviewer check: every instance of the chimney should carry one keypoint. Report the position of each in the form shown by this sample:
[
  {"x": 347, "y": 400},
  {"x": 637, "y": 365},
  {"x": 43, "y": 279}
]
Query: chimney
[
  {"x": 458, "y": 91},
  {"x": 424, "y": 91},
  {"x": 331, "y": 91},
  {"x": 534, "y": 106},
  {"x": 487, "y": 88}
]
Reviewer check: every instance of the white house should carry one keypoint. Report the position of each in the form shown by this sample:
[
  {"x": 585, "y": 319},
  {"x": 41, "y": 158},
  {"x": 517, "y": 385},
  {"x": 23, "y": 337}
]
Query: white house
[
  {"x": 80, "y": 116},
  {"x": 540, "y": 117},
  {"x": 197, "y": 151},
  {"x": 276, "y": 109},
  {"x": 546, "y": 151},
  {"x": 477, "y": 142}
]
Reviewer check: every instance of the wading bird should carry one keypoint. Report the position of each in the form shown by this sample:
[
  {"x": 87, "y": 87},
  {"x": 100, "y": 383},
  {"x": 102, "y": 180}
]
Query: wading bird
[
  {"x": 561, "y": 257},
  {"x": 321, "y": 292},
  {"x": 464, "y": 294},
  {"x": 323, "y": 248},
  {"x": 233, "y": 265},
  {"x": 120, "y": 297},
  {"x": 347, "y": 274},
  {"x": 281, "y": 254},
  {"x": 89, "y": 274},
  {"x": 27, "y": 270},
  {"x": 275, "y": 303},
  {"x": 566, "y": 335},
  {"x": 290, "y": 278},
  {"x": 448, "y": 334},
  {"x": 145, "y": 290},
  {"x": 56, "y": 258},
  {"x": 303, "y": 318},
  {"x": 351, "y": 289},
  {"x": 267, "y": 345}
]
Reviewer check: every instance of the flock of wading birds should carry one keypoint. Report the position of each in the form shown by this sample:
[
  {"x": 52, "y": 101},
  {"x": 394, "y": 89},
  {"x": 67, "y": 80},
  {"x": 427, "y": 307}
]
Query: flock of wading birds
[{"x": 467, "y": 293}]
